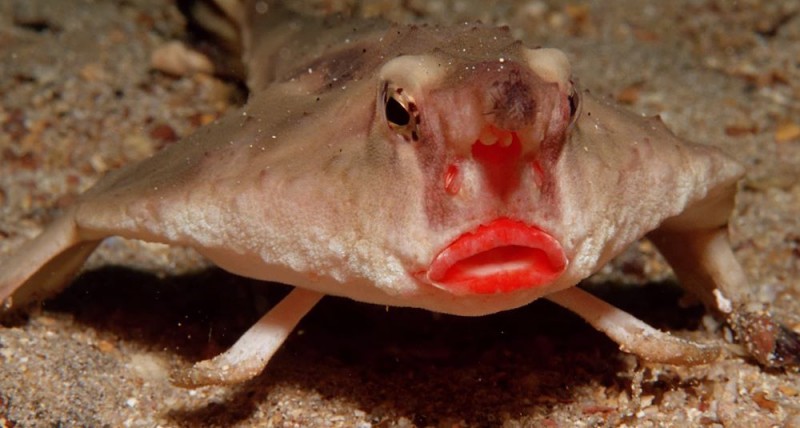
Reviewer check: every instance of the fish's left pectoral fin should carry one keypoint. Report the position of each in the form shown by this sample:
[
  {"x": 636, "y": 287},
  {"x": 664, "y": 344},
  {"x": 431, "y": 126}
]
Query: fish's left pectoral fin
[
  {"x": 705, "y": 264},
  {"x": 632, "y": 334},
  {"x": 251, "y": 353}
]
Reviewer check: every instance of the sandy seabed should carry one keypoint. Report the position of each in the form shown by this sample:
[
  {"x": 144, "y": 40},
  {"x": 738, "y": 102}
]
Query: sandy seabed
[{"x": 79, "y": 98}]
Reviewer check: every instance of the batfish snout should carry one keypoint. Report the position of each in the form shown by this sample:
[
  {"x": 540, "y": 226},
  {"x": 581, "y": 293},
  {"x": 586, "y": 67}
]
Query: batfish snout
[
  {"x": 503, "y": 116},
  {"x": 499, "y": 152},
  {"x": 502, "y": 256}
]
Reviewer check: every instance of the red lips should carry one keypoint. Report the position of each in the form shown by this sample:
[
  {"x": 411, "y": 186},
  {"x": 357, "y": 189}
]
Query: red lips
[{"x": 502, "y": 256}]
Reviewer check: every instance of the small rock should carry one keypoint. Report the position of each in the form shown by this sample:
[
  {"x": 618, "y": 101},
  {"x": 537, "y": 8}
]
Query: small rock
[
  {"x": 177, "y": 59},
  {"x": 787, "y": 131}
]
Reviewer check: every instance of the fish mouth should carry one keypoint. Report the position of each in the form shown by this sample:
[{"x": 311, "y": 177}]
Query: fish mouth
[{"x": 502, "y": 256}]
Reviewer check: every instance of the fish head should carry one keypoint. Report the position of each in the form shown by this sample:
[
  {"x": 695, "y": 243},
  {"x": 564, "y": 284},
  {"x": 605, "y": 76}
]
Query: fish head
[
  {"x": 482, "y": 135},
  {"x": 472, "y": 174}
]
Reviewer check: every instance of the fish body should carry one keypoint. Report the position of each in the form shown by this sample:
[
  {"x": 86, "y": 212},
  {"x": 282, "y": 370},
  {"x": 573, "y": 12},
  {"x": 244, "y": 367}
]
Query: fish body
[{"x": 447, "y": 168}]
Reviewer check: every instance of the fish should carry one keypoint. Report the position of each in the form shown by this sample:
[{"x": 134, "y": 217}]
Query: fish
[{"x": 448, "y": 168}]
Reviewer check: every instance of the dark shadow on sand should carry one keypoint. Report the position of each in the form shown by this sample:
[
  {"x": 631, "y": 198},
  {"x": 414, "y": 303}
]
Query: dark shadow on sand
[{"x": 410, "y": 362}]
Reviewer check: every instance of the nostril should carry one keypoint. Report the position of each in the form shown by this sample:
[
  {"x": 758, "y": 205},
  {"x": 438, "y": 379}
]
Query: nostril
[{"x": 452, "y": 179}]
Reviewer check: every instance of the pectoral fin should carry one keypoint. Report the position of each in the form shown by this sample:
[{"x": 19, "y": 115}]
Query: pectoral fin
[
  {"x": 705, "y": 265},
  {"x": 632, "y": 334},
  {"x": 251, "y": 353},
  {"x": 43, "y": 266}
]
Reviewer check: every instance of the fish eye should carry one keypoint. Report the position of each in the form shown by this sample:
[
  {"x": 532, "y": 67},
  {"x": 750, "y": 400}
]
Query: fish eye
[
  {"x": 396, "y": 113},
  {"x": 574, "y": 100},
  {"x": 400, "y": 112}
]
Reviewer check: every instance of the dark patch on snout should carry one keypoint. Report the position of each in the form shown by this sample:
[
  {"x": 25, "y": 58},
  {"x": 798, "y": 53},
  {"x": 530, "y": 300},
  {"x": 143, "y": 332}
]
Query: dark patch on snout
[{"x": 512, "y": 103}]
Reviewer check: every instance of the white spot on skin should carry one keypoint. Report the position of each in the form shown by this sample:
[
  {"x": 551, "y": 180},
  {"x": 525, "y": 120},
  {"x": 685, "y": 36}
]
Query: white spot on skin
[{"x": 723, "y": 304}]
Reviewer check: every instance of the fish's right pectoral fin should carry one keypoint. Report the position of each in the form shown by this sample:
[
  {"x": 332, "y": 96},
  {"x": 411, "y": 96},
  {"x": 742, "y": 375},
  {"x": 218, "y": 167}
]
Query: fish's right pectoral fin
[
  {"x": 251, "y": 353},
  {"x": 44, "y": 265}
]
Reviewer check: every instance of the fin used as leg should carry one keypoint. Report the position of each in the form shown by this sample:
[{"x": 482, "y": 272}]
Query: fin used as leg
[
  {"x": 221, "y": 19},
  {"x": 251, "y": 353},
  {"x": 706, "y": 266},
  {"x": 632, "y": 334},
  {"x": 45, "y": 265},
  {"x": 218, "y": 21}
]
